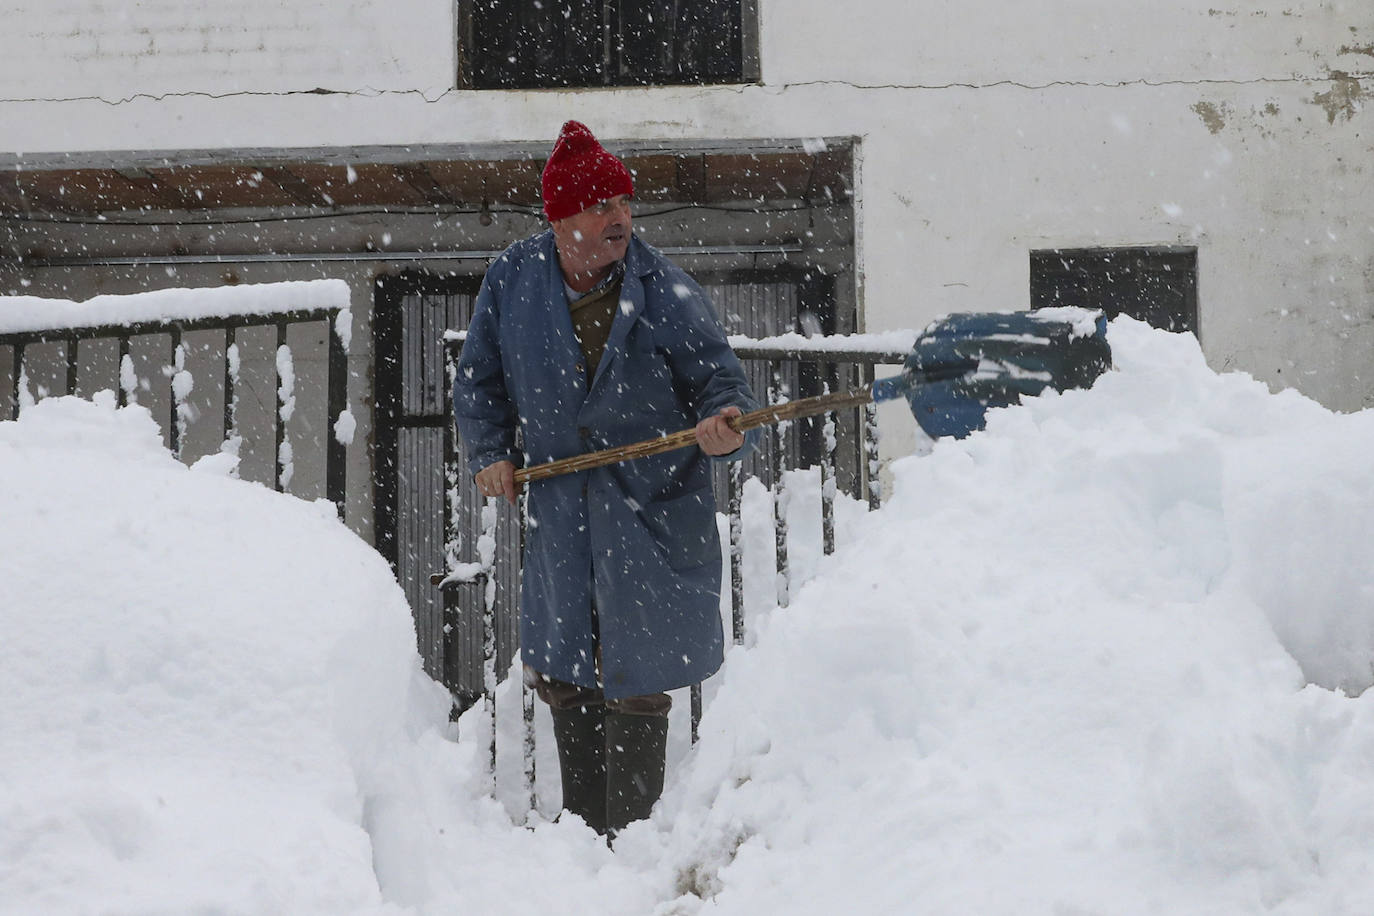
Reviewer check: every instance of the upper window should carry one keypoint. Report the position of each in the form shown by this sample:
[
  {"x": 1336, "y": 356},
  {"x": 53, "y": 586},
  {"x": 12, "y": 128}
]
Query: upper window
[{"x": 541, "y": 44}]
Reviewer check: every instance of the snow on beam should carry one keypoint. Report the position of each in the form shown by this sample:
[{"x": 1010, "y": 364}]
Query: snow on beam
[{"x": 30, "y": 314}]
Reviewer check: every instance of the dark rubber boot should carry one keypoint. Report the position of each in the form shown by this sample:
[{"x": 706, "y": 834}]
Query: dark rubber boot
[
  {"x": 580, "y": 733},
  {"x": 635, "y": 750}
]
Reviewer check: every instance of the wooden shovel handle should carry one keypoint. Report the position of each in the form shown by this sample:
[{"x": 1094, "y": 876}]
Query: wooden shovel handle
[{"x": 764, "y": 416}]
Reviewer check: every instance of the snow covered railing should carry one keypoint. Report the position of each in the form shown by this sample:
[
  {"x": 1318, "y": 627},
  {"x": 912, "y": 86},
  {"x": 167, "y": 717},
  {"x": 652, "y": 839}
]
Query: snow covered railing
[
  {"x": 52, "y": 347},
  {"x": 843, "y": 444},
  {"x": 841, "y": 362}
]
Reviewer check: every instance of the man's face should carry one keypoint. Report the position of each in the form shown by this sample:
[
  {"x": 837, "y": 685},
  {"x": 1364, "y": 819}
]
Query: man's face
[{"x": 595, "y": 238}]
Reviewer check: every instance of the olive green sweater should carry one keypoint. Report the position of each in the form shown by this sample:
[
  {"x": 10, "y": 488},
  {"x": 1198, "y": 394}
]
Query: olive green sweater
[{"x": 592, "y": 316}]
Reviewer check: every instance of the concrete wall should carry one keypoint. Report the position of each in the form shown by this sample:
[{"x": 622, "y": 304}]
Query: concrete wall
[{"x": 985, "y": 130}]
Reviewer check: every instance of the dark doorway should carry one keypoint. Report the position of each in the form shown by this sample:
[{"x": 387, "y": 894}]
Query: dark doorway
[{"x": 426, "y": 522}]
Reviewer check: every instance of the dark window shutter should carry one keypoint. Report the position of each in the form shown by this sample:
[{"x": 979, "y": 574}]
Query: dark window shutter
[
  {"x": 680, "y": 41},
  {"x": 536, "y": 44},
  {"x": 519, "y": 44},
  {"x": 1155, "y": 285}
]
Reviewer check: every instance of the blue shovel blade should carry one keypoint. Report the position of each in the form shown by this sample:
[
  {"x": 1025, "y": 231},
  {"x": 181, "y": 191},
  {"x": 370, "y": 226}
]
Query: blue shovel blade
[{"x": 963, "y": 365}]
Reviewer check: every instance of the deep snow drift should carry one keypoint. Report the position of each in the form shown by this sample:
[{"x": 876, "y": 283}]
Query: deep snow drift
[
  {"x": 197, "y": 676},
  {"x": 1102, "y": 658}
]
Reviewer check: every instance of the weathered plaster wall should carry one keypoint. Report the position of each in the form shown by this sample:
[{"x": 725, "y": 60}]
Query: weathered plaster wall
[{"x": 980, "y": 42}]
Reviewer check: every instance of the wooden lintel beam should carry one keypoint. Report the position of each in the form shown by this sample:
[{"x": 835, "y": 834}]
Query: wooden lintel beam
[
  {"x": 169, "y": 196},
  {"x": 828, "y": 181},
  {"x": 691, "y": 178},
  {"x": 12, "y": 199},
  {"x": 293, "y": 184},
  {"x": 419, "y": 178},
  {"x": 39, "y": 201}
]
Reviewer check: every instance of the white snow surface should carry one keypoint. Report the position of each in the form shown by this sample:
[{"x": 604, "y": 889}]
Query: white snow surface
[
  {"x": 36, "y": 313},
  {"x": 1103, "y": 658},
  {"x": 197, "y": 679},
  {"x": 898, "y": 341}
]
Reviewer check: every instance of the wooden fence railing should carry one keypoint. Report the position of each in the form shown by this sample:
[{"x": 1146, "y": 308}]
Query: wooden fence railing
[{"x": 83, "y": 360}]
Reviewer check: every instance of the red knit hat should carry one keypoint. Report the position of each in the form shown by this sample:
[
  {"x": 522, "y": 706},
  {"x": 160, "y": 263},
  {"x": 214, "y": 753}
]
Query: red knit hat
[{"x": 580, "y": 172}]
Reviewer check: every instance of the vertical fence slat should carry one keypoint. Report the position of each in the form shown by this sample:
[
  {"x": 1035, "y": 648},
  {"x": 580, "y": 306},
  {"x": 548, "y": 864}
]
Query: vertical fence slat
[
  {"x": 73, "y": 361},
  {"x": 870, "y": 428},
  {"x": 527, "y": 718},
  {"x": 735, "y": 509},
  {"x": 695, "y": 700},
  {"x": 489, "y": 630},
  {"x": 828, "y": 484},
  {"x": 18, "y": 377},
  {"x": 407, "y": 516},
  {"x": 489, "y": 675},
  {"x": 231, "y": 356},
  {"x": 426, "y": 515},
  {"x": 852, "y": 373},
  {"x": 512, "y": 546},
  {"x": 125, "y": 359},
  {"x": 174, "y": 429},
  {"x": 13, "y": 408},
  {"x": 279, "y": 400},
  {"x": 336, "y": 450},
  {"x": 519, "y": 519},
  {"x": 777, "y": 392}
]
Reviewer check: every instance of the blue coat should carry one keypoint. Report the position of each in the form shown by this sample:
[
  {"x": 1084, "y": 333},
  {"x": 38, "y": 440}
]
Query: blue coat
[{"x": 637, "y": 541}]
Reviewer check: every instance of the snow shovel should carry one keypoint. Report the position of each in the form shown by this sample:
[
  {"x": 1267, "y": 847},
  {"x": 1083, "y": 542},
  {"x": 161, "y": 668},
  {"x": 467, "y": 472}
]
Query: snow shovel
[{"x": 961, "y": 366}]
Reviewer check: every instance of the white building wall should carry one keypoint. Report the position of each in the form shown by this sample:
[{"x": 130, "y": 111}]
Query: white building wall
[
  {"x": 1045, "y": 42},
  {"x": 119, "y": 49},
  {"x": 986, "y": 129}
]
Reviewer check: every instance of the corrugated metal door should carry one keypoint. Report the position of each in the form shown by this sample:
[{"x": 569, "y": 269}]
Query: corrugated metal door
[{"x": 429, "y": 515}]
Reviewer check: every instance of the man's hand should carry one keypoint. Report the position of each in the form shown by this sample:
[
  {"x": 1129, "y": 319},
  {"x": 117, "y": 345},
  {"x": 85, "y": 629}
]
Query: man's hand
[
  {"x": 715, "y": 436},
  {"x": 498, "y": 480}
]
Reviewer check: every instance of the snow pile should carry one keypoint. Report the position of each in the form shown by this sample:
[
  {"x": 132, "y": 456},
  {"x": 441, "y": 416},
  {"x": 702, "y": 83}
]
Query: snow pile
[
  {"x": 1063, "y": 671},
  {"x": 199, "y": 680},
  {"x": 1102, "y": 658}
]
